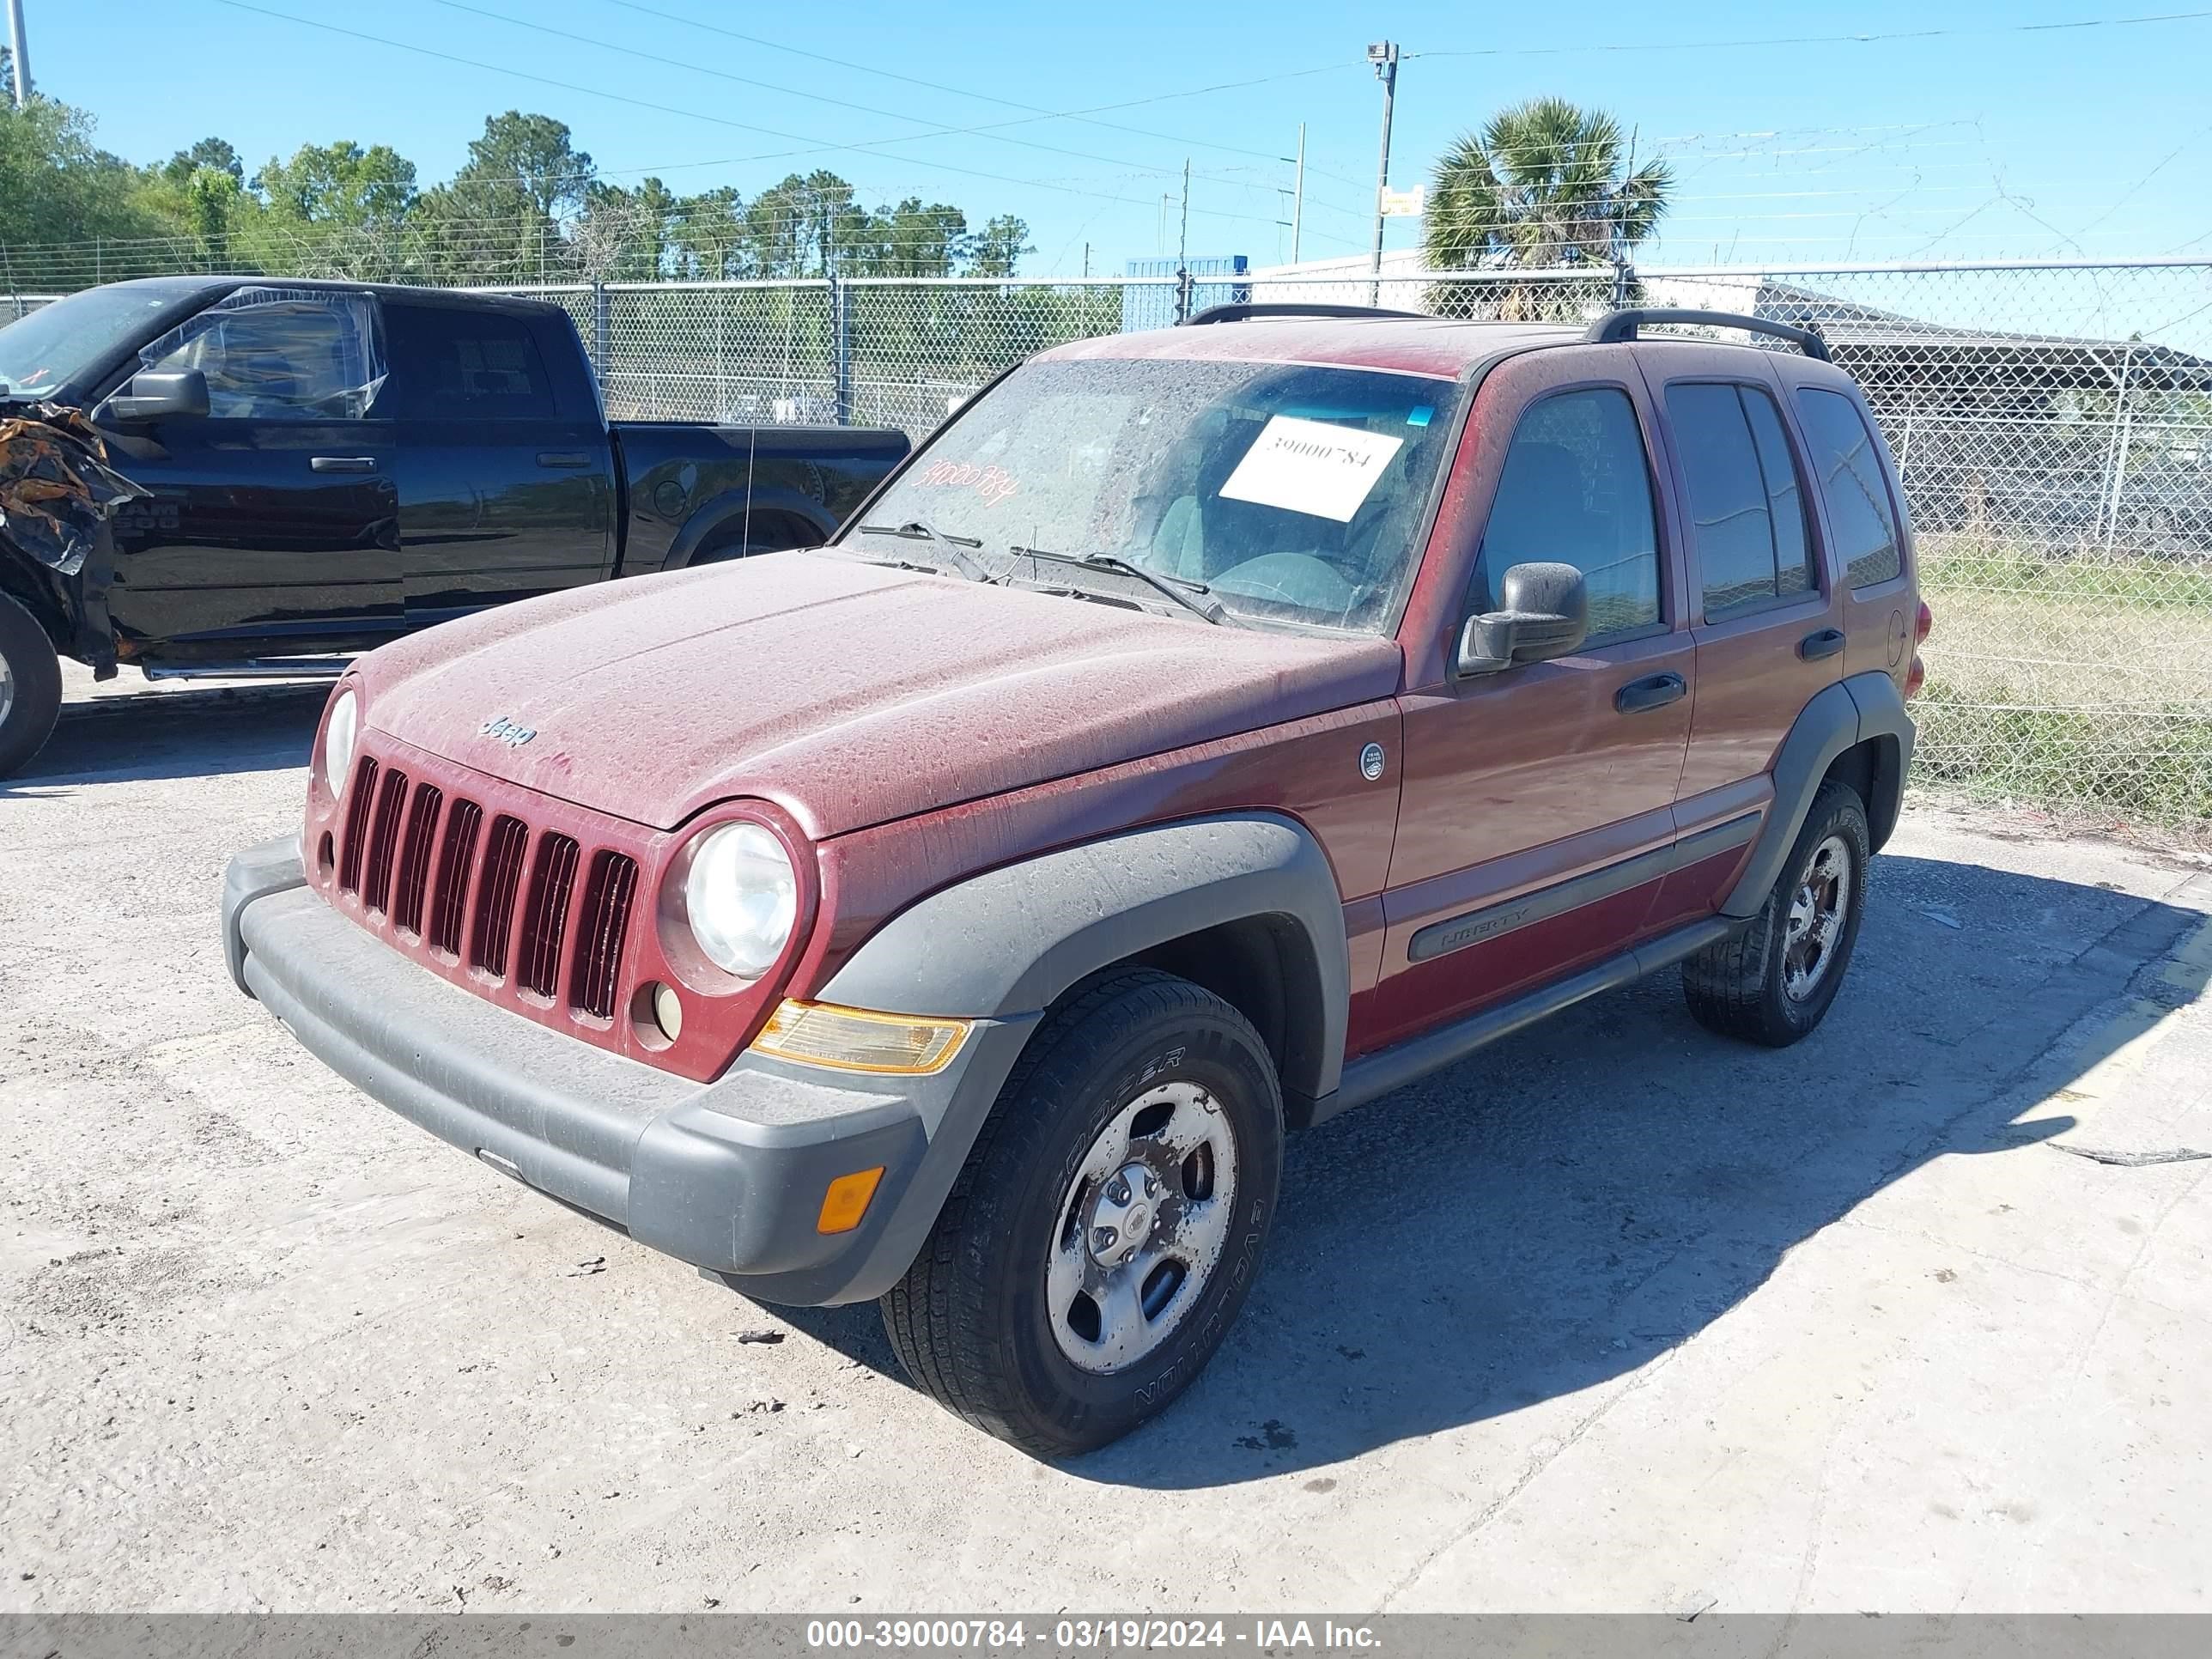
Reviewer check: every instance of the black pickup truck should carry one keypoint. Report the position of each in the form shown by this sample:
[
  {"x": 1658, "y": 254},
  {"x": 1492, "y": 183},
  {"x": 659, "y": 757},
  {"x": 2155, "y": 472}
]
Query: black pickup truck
[{"x": 327, "y": 466}]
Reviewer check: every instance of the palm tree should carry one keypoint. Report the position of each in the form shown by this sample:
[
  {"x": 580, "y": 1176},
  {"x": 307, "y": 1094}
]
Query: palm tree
[{"x": 1544, "y": 184}]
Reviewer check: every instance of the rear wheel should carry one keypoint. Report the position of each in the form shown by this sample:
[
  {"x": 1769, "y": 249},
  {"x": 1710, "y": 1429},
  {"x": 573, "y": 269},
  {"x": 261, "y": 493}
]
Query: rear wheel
[
  {"x": 770, "y": 533},
  {"x": 30, "y": 686},
  {"x": 1101, "y": 1239},
  {"x": 1772, "y": 979}
]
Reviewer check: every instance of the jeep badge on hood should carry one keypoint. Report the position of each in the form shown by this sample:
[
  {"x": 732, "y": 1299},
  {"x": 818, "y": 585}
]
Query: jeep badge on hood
[{"x": 506, "y": 731}]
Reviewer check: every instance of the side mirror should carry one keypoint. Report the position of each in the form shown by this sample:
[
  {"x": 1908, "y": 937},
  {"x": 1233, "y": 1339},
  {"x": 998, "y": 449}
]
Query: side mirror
[
  {"x": 1545, "y": 612},
  {"x": 159, "y": 395}
]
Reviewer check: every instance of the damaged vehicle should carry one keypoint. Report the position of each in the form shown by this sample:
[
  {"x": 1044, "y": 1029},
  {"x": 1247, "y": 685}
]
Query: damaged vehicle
[
  {"x": 1208, "y": 730},
  {"x": 320, "y": 467}
]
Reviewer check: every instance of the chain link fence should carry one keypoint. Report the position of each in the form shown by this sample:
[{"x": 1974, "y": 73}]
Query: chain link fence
[{"x": 2052, "y": 424}]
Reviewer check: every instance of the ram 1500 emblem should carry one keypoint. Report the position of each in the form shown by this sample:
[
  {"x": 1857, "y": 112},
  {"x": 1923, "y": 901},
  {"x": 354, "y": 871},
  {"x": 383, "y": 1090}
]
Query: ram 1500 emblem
[{"x": 506, "y": 731}]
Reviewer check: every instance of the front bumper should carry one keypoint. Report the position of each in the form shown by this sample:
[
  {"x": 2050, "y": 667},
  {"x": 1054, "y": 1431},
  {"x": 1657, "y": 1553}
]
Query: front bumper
[{"x": 728, "y": 1175}]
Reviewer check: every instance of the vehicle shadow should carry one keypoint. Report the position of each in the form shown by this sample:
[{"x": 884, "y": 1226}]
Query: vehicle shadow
[
  {"x": 174, "y": 734},
  {"x": 1557, "y": 1211}
]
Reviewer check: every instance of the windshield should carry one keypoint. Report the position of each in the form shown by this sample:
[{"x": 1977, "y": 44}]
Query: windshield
[
  {"x": 1288, "y": 493},
  {"x": 54, "y": 344}
]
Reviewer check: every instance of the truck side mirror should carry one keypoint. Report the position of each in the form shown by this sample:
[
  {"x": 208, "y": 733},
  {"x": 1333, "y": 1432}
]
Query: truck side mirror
[
  {"x": 159, "y": 395},
  {"x": 1544, "y": 612}
]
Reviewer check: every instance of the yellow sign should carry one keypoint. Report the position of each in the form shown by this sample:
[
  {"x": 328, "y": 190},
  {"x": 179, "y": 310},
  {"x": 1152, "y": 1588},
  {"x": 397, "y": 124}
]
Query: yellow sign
[{"x": 1404, "y": 204}]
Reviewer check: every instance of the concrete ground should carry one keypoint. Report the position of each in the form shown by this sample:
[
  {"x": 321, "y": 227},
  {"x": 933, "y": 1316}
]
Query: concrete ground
[{"x": 1916, "y": 1315}]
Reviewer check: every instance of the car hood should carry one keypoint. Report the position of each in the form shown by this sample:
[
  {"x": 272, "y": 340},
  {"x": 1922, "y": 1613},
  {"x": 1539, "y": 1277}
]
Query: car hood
[{"x": 848, "y": 694}]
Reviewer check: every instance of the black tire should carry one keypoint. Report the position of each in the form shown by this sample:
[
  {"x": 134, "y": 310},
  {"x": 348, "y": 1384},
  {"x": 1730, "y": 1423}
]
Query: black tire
[
  {"x": 970, "y": 1321},
  {"x": 31, "y": 689},
  {"x": 1742, "y": 985}
]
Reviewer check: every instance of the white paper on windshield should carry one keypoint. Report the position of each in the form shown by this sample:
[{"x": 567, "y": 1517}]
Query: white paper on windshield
[{"x": 1311, "y": 466}]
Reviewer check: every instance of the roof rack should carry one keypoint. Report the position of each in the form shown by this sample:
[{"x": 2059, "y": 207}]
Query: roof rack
[
  {"x": 1618, "y": 325},
  {"x": 1244, "y": 312}
]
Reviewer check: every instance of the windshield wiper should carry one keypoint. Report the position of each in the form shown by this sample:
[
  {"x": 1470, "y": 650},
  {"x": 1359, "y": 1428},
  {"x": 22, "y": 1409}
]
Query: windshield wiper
[
  {"x": 1176, "y": 588},
  {"x": 913, "y": 529}
]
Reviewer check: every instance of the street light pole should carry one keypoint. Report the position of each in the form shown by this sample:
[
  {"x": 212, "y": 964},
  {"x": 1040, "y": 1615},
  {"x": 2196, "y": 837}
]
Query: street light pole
[
  {"x": 1384, "y": 54},
  {"x": 21, "y": 61}
]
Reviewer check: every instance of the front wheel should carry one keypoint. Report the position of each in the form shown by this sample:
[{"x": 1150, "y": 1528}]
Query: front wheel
[
  {"x": 1772, "y": 981},
  {"x": 30, "y": 686},
  {"x": 1102, "y": 1238}
]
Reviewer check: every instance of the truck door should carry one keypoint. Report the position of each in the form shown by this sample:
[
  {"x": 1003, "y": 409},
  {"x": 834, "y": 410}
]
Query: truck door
[
  {"x": 1763, "y": 613},
  {"x": 269, "y": 527},
  {"x": 1535, "y": 821},
  {"x": 506, "y": 475}
]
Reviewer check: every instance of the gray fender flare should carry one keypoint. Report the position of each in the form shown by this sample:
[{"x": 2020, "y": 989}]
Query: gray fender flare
[
  {"x": 1842, "y": 716},
  {"x": 1007, "y": 943},
  {"x": 1002, "y": 947}
]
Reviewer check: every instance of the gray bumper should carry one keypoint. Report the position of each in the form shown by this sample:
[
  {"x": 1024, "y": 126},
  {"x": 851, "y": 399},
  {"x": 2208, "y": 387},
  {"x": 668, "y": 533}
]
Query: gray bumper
[{"x": 728, "y": 1175}]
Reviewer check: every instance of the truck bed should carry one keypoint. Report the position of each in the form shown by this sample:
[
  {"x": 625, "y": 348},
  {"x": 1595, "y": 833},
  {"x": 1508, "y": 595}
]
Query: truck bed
[{"x": 680, "y": 479}]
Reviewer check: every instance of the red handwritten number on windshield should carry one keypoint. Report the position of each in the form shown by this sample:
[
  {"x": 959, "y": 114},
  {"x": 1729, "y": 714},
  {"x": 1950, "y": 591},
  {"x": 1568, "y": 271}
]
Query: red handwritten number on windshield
[{"x": 993, "y": 484}]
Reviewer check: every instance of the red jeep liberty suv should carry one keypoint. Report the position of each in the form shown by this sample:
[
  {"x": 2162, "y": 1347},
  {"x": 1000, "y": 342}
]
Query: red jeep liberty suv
[{"x": 1207, "y": 731}]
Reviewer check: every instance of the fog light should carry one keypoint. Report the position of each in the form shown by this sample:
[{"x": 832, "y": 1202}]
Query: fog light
[
  {"x": 847, "y": 1200},
  {"x": 656, "y": 1015},
  {"x": 668, "y": 1011},
  {"x": 859, "y": 1040}
]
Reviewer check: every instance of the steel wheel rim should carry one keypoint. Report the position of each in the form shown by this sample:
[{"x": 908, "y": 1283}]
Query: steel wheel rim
[
  {"x": 7, "y": 689},
  {"x": 1815, "y": 926},
  {"x": 1140, "y": 1228}
]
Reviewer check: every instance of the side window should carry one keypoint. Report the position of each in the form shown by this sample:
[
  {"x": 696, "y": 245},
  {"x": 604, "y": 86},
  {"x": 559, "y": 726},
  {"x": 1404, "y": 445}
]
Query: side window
[
  {"x": 1747, "y": 507},
  {"x": 273, "y": 354},
  {"x": 455, "y": 365},
  {"x": 1851, "y": 473},
  {"x": 1575, "y": 488}
]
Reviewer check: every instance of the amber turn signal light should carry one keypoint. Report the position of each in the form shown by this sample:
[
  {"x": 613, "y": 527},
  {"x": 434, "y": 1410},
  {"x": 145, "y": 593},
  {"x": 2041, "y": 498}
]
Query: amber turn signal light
[
  {"x": 860, "y": 1040},
  {"x": 847, "y": 1200}
]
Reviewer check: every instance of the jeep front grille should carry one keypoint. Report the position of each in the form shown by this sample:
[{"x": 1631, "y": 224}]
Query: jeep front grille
[
  {"x": 501, "y": 878},
  {"x": 424, "y": 865},
  {"x": 546, "y": 919},
  {"x": 456, "y": 858},
  {"x": 600, "y": 933}
]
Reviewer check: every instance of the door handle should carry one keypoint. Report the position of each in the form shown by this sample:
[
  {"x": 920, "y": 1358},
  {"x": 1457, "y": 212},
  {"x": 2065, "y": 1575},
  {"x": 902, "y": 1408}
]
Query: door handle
[
  {"x": 1826, "y": 643},
  {"x": 343, "y": 463},
  {"x": 1656, "y": 691},
  {"x": 563, "y": 458}
]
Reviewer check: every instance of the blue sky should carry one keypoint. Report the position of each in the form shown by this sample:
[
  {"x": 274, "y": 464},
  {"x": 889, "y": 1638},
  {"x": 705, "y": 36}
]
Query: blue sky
[{"x": 1987, "y": 142}]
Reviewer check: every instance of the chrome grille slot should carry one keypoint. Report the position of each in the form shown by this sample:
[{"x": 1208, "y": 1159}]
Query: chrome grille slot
[
  {"x": 413, "y": 882},
  {"x": 501, "y": 878},
  {"x": 456, "y": 866},
  {"x": 384, "y": 841},
  {"x": 601, "y": 933},
  {"x": 545, "y": 917}
]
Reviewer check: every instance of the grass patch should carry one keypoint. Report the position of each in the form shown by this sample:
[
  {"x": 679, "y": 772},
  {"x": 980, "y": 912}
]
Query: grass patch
[
  {"x": 2092, "y": 576},
  {"x": 2143, "y": 763},
  {"x": 2070, "y": 681}
]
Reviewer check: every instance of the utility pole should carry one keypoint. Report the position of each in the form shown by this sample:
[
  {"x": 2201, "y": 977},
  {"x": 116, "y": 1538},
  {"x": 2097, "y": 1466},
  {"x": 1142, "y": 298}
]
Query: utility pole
[
  {"x": 20, "y": 57},
  {"x": 1384, "y": 54},
  {"x": 1182, "y": 251},
  {"x": 1299, "y": 194}
]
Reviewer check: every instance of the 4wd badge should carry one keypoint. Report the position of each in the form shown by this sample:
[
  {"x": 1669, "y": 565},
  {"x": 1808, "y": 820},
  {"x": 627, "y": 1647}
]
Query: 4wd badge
[
  {"x": 506, "y": 731},
  {"x": 1370, "y": 762}
]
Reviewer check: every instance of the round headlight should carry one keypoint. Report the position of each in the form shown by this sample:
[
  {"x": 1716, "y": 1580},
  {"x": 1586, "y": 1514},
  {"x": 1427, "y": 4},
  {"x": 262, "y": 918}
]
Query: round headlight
[
  {"x": 338, "y": 735},
  {"x": 742, "y": 898}
]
